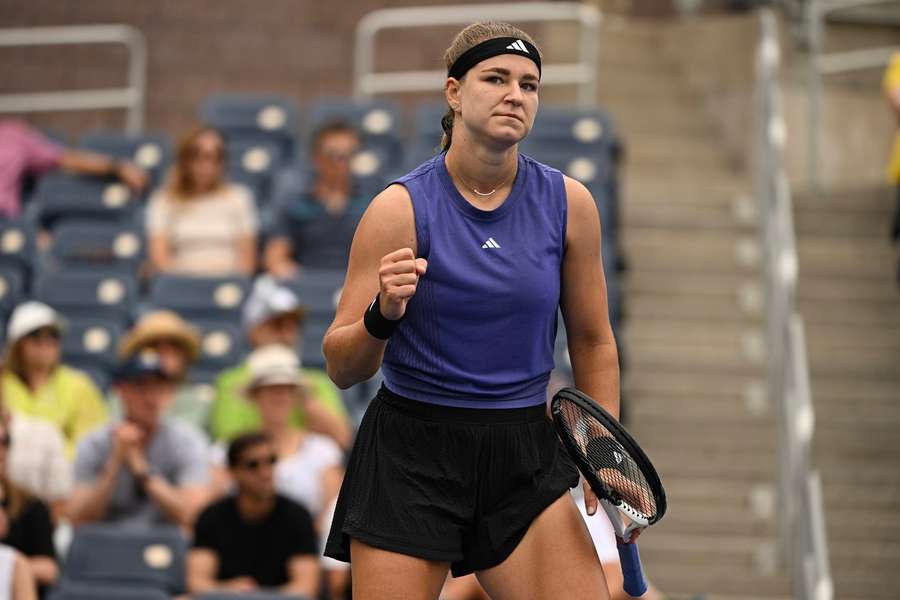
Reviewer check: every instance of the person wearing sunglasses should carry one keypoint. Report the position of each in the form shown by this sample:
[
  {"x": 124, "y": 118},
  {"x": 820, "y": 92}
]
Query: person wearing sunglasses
[
  {"x": 315, "y": 229},
  {"x": 255, "y": 539},
  {"x": 199, "y": 223},
  {"x": 144, "y": 469},
  {"x": 37, "y": 384}
]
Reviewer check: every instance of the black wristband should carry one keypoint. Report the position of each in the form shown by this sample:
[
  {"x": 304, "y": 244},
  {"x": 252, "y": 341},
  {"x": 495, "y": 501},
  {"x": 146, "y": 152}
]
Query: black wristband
[{"x": 376, "y": 323}]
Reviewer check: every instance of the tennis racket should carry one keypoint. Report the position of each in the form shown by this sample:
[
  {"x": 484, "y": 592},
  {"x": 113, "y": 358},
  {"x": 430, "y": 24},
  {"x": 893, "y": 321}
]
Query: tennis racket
[{"x": 616, "y": 469}]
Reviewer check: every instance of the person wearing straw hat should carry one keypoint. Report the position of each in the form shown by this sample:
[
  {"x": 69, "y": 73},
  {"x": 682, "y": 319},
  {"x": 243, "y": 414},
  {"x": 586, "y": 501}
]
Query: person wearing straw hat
[
  {"x": 143, "y": 469},
  {"x": 177, "y": 343},
  {"x": 273, "y": 314},
  {"x": 35, "y": 383}
]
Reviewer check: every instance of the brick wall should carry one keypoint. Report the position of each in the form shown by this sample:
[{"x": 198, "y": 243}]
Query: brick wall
[{"x": 301, "y": 48}]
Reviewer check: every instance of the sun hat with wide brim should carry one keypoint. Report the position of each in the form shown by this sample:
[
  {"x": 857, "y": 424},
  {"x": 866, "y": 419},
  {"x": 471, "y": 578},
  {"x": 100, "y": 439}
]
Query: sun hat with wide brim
[
  {"x": 161, "y": 325},
  {"x": 273, "y": 364}
]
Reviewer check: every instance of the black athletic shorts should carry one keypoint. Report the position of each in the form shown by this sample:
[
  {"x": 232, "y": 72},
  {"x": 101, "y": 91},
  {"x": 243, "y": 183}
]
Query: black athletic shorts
[{"x": 448, "y": 484}]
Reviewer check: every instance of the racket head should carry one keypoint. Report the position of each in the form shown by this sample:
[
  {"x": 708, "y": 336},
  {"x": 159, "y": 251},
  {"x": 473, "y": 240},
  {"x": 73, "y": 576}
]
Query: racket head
[{"x": 611, "y": 461}]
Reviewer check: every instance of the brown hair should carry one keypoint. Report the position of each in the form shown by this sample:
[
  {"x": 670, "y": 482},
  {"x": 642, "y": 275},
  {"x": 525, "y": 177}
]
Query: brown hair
[
  {"x": 328, "y": 128},
  {"x": 180, "y": 185},
  {"x": 14, "y": 362},
  {"x": 470, "y": 37},
  {"x": 244, "y": 442}
]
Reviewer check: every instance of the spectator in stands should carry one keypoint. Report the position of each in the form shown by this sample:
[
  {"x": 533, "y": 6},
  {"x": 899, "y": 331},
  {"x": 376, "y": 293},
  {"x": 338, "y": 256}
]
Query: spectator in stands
[
  {"x": 273, "y": 315},
  {"x": 178, "y": 344},
  {"x": 25, "y": 152},
  {"x": 199, "y": 223},
  {"x": 316, "y": 229},
  {"x": 16, "y": 580},
  {"x": 892, "y": 91},
  {"x": 36, "y": 384},
  {"x": 256, "y": 538},
  {"x": 143, "y": 469},
  {"x": 29, "y": 526}
]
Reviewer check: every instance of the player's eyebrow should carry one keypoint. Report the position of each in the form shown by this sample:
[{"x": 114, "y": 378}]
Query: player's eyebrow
[{"x": 502, "y": 71}]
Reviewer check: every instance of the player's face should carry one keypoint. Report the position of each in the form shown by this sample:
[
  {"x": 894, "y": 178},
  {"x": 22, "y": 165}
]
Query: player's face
[{"x": 498, "y": 98}]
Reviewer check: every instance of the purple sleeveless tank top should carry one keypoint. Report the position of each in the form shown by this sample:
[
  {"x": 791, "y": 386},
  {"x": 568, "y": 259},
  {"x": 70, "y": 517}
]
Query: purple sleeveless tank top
[{"x": 480, "y": 331}]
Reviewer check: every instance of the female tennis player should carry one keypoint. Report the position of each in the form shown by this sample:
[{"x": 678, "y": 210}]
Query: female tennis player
[{"x": 456, "y": 273}]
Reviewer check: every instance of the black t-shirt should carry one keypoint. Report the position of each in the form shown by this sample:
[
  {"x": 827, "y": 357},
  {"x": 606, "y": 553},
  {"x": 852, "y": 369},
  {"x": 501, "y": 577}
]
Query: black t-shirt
[
  {"x": 31, "y": 533},
  {"x": 260, "y": 550}
]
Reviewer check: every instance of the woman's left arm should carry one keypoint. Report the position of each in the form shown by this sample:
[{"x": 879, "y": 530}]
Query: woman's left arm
[{"x": 592, "y": 347}]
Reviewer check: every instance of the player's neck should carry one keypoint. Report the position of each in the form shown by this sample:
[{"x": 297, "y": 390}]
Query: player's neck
[{"x": 482, "y": 168}]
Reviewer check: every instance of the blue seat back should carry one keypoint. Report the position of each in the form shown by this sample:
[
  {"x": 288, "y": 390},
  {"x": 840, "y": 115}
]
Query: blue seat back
[
  {"x": 150, "y": 151},
  {"x": 200, "y": 297},
  {"x": 88, "y": 244},
  {"x": 68, "y": 196},
  {"x": 69, "y": 590},
  {"x": 88, "y": 294},
  {"x": 148, "y": 557}
]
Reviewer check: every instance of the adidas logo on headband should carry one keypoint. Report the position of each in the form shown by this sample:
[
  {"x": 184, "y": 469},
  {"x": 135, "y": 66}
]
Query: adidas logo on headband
[{"x": 518, "y": 45}]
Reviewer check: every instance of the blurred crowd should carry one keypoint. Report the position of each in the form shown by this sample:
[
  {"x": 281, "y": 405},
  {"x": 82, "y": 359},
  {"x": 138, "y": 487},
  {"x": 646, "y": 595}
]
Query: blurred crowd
[{"x": 251, "y": 477}]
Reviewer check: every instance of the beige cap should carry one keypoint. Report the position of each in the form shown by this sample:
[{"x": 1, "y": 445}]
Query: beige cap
[
  {"x": 273, "y": 364},
  {"x": 31, "y": 316}
]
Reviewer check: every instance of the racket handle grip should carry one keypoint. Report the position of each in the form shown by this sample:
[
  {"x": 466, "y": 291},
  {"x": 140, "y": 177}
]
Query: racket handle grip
[{"x": 633, "y": 574}]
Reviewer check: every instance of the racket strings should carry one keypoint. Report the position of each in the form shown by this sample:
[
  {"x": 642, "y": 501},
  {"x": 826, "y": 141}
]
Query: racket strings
[{"x": 611, "y": 462}]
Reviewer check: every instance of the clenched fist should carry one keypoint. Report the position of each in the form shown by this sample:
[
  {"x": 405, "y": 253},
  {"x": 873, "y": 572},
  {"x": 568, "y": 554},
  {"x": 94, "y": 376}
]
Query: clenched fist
[{"x": 399, "y": 275}]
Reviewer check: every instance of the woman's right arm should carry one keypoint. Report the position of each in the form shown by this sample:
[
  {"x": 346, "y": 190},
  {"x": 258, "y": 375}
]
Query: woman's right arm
[
  {"x": 382, "y": 260},
  {"x": 24, "y": 587}
]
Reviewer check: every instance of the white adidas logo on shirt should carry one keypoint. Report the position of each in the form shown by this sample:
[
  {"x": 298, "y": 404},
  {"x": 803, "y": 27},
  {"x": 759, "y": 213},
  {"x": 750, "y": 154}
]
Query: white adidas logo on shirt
[
  {"x": 490, "y": 243},
  {"x": 518, "y": 45}
]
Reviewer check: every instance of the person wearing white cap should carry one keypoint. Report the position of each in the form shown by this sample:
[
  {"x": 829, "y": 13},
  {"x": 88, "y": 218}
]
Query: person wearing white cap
[
  {"x": 273, "y": 314},
  {"x": 35, "y": 383},
  {"x": 310, "y": 465}
]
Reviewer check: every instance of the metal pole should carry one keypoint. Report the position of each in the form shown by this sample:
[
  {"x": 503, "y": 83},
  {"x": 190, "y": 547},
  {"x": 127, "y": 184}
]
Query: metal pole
[{"x": 813, "y": 93}]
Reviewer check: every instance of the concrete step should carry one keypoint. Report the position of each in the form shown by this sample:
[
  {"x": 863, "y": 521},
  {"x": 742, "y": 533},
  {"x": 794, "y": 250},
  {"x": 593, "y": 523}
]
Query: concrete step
[
  {"x": 849, "y": 313},
  {"x": 683, "y": 343},
  {"x": 731, "y": 465},
  {"x": 652, "y": 150},
  {"x": 665, "y": 282},
  {"x": 819, "y": 287},
  {"x": 725, "y": 307},
  {"x": 851, "y": 258},
  {"x": 684, "y": 216},
  {"x": 877, "y": 199},
  {"x": 870, "y": 224},
  {"x": 641, "y": 187},
  {"x": 691, "y": 251},
  {"x": 703, "y": 407}
]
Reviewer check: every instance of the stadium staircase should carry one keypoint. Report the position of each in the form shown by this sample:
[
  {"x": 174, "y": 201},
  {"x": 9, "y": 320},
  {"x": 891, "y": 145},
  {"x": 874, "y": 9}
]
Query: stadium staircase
[
  {"x": 693, "y": 333},
  {"x": 850, "y": 302}
]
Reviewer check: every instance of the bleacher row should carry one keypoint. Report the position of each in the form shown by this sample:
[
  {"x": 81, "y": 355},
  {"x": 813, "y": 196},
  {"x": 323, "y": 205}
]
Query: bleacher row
[{"x": 91, "y": 271}]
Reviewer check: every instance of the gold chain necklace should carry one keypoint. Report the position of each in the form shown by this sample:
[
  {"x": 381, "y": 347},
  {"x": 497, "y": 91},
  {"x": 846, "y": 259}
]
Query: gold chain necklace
[{"x": 485, "y": 194}]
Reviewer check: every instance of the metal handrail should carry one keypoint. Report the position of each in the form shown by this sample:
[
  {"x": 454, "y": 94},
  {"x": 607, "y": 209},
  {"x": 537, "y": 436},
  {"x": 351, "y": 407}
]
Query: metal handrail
[
  {"x": 132, "y": 97},
  {"x": 802, "y": 542},
  {"x": 822, "y": 64},
  {"x": 366, "y": 82}
]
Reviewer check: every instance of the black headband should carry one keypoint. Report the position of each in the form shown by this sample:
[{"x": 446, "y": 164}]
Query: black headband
[{"x": 490, "y": 48}]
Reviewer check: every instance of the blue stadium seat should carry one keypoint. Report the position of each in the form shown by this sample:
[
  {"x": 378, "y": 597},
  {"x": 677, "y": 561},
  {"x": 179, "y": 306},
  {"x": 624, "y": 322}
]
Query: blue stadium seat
[
  {"x": 150, "y": 151},
  {"x": 253, "y": 117},
  {"x": 67, "y": 196},
  {"x": 92, "y": 245},
  {"x": 12, "y": 288},
  {"x": 253, "y": 164},
  {"x": 88, "y": 294},
  {"x": 311, "y": 343},
  {"x": 147, "y": 557},
  {"x": 248, "y": 596},
  {"x": 97, "y": 371},
  {"x": 573, "y": 128},
  {"x": 222, "y": 344},
  {"x": 16, "y": 244},
  {"x": 378, "y": 121},
  {"x": 319, "y": 291},
  {"x": 200, "y": 297},
  {"x": 98, "y": 591},
  {"x": 91, "y": 341}
]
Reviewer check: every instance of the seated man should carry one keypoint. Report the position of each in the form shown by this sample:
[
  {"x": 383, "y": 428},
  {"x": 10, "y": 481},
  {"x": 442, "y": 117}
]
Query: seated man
[
  {"x": 144, "y": 469},
  {"x": 315, "y": 230},
  {"x": 273, "y": 315},
  {"x": 256, "y": 539}
]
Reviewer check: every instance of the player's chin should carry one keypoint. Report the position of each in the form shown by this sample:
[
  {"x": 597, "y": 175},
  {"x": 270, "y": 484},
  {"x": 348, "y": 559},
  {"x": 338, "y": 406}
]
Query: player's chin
[{"x": 510, "y": 135}]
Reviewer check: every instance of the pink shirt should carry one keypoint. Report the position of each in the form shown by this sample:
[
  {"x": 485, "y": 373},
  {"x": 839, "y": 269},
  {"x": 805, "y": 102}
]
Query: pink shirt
[{"x": 23, "y": 151}]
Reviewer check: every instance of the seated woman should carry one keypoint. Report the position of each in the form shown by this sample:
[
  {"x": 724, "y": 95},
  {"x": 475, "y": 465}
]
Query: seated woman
[
  {"x": 29, "y": 528},
  {"x": 36, "y": 384},
  {"x": 309, "y": 469},
  {"x": 199, "y": 223}
]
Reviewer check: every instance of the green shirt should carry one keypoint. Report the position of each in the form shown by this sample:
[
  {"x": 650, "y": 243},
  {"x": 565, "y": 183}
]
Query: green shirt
[
  {"x": 69, "y": 400},
  {"x": 232, "y": 413}
]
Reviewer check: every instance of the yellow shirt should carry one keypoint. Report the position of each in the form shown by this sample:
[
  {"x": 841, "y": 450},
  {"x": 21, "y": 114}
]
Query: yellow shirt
[
  {"x": 69, "y": 400},
  {"x": 892, "y": 81}
]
